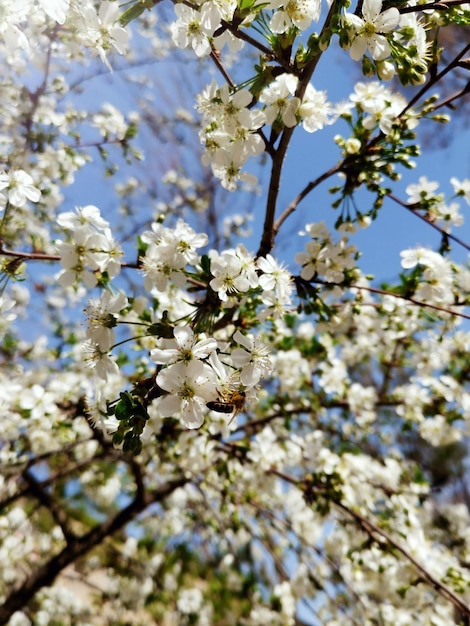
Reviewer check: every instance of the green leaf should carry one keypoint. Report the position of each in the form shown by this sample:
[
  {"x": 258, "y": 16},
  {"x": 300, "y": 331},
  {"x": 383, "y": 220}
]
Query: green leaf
[
  {"x": 135, "y": 11},
  {"x": 121, "y": 412},
  {"x": 206, "y": 264}
]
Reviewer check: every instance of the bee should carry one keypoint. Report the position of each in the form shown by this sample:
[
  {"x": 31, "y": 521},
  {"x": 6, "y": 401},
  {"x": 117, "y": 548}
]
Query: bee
[{"x": 229, "y": 401}]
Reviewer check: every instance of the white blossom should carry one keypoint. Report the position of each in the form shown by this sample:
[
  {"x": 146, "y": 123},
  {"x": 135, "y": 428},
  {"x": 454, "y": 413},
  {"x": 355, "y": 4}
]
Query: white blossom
[
  {"x": 193, "y": 28},
  {"x": 19, "y": 187},
  {"x": 253, "y": 359},
  {"x": 280, "y": 100},
  {"x": 315, "y": 111},
  {"x": 190, "y": 601},
  {"x": 186, "y": 350},
  {"x": 57, "y": 9},
  {"x": 231, "y": 273},
  {"x": 461, "y": 188},
  {"x": 422, "y": 190},
  {"x": 84, "y": 216},
  {"x": 299, "y": 13},
  {"x": 189, "y": 387},
  {"x": 99, "y": 360},
  {"x": 369, "y": 29},
  {"x": 101, "y": 31},
  {"x": 6, "y": 313},
  {"x": 102, "y": 318},
  {"x": 275, "y": 277}
]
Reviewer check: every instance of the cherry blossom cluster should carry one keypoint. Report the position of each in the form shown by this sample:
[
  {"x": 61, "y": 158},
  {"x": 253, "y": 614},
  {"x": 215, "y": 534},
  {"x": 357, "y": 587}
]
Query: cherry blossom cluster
[
  {"x": 383, "y": 34},
  {"x": 442, "y": 282},
  {"x": 324, "y": 258},
  {"x": 313, "y": 110},
  {"x": 236, "y": 272},
  {"x": 197, "y": 27},
  {"x": 313, "y": 498},
  {"x": 195, "y": 374},
  {"x": 298, "y": 13},
  {"x": 19, "y": 187},
  {"x": 382, "y": 106},
  {"x": 231, "y": 130},
  {"x": 96, "y": 29},
  {"x": 447, "y": 214},
  {"x": 168, "y": 253},
  {"x": 91, "y": 249}
]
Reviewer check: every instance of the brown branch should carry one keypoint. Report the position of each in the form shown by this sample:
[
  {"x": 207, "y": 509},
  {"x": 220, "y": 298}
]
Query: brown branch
[
  {"x": 412, "y": 208},
  {"x": 215, "y": 56},
  {"x": 42, "y": 256},
  {"x": 435, "y": 6},
  {"x": 448, "y": 102},
  {"x": 435, "y": 79},
  {"x": 305, "y": 191},
  {"x": 45, "y": 499},
  {"x": 240, "y": 34},
  {"x": 267, "y": 238},
  {"x": 27, "y": 256},
  {"x": 45, "y": 574},
  {"x": 372, "y": 530},
  {"x": 383, "y": 292},
  {"x": 51, "y": 479}
]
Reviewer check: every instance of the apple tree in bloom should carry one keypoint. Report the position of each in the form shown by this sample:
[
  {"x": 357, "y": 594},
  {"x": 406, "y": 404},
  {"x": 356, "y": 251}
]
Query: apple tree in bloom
[{"x": 209, "y": 415}]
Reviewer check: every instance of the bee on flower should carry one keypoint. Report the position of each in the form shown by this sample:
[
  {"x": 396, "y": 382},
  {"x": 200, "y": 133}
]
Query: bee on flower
[{"x": 229, "y": 401}]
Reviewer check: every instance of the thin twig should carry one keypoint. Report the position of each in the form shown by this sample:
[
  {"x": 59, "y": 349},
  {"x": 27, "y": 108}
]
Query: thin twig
[
  {"x": 413, "y": 210},
  {"x": 372, "y": 529},
  {"x": 435, "y": 6},
  {"x": 240, "y": 34},
  {"x": 435, "y": 79},
  {"x": 305, "y": 191},
  {"x": 448, "y": 102},
  {"x": 383, "y": 292},
  {"x": 215, "y": 56}
]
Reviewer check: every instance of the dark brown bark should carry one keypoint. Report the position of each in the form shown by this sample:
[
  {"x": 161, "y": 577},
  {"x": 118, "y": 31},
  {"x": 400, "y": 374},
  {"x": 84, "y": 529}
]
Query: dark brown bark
[{"x": 45, "y": 575}]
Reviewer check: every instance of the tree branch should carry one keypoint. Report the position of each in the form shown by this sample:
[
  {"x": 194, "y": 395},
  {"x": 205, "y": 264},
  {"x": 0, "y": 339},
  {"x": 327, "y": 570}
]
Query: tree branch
[
  {"x": 434, "y": 6},
  {"x": 267, "y": 238},
  {"x": 383, "y": 292},
  {"x": 413, "y": 210},
  {"x": 240, "y": 34},
  {"x": 305, "y": 191},
  {"x": 41, "y": 256},
  {"x": 435, "y": 79},
  {"x": 45, "y": 499},
  {"x": 48, "y": 571},
  {"x": 372, "y": 529},
  {"x": 448, "y": 102},
  {"x": 216, "y": 57}
]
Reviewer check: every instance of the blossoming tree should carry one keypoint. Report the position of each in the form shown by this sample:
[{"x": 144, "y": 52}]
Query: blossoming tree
[{"x": 201, "y": 426}]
